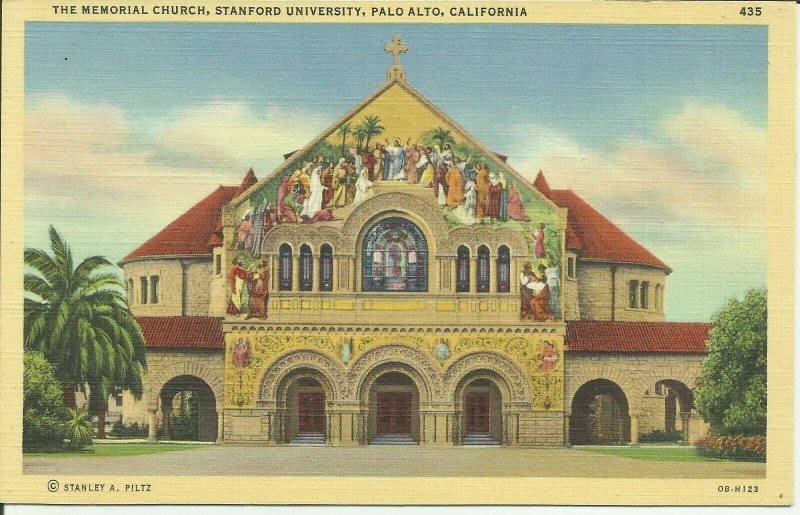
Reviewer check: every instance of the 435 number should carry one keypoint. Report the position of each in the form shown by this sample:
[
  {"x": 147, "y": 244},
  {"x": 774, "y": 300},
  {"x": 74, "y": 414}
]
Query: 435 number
[{"x": 750, "y": 11}]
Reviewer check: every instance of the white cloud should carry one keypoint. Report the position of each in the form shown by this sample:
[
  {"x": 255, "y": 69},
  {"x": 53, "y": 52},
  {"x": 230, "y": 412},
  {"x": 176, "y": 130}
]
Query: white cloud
[
  {"x": 91, "y": 169},
  {"x": 707, "y": 167}
]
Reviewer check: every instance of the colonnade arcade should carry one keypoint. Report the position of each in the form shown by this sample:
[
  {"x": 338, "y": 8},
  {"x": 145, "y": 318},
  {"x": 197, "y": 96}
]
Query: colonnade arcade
[
  {"x": 389, "y": 399},
  {"x": 331, "y": 258}
]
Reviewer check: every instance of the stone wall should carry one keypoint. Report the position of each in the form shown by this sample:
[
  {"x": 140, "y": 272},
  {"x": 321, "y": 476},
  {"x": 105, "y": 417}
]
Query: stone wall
[
  {"x": 569, "y": 292},
  {"x": 596, "y": 281},
  {"x": 170, "y": 286},
  {"x": 183, "y": 286},
  {"x": 166, "y": 364},
  {"x": 197, "y": 280},
  {"x": 637, "y": 375}
]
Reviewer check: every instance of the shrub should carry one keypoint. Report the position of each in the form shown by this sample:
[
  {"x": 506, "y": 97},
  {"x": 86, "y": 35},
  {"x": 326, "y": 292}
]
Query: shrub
[
  {"x": 739, "y": 448},
  {"x": 78, "y": 429},
  {"x": 661, "y": 436},
  {"x": 120, "y": 430},
  {"x": 184, "y": 428},
  {"x": 43, "y": 414}
]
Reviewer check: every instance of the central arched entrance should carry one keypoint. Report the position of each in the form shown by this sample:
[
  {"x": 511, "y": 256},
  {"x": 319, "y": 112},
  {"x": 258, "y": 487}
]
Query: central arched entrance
[
  {"x": 599, "y": 415},
  {"x": 393, "y": 409},
  {"x": 188, "y": 409}
]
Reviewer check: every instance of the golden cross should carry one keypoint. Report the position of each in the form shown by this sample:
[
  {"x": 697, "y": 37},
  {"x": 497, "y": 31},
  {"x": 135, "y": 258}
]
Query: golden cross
[{"x": 396, "y": 48}]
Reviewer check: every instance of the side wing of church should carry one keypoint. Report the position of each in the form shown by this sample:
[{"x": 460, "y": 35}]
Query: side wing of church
[{"x": 396, "y": 282}]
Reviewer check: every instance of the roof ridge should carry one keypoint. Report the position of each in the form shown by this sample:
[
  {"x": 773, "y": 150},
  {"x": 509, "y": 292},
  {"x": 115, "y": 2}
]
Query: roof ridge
[
  {"x": 574, "y": 218},
  {"x": 153, "y": 246}
]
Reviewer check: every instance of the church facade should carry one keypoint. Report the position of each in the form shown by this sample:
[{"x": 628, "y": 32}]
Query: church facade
[{"x": 396, "y": 282}]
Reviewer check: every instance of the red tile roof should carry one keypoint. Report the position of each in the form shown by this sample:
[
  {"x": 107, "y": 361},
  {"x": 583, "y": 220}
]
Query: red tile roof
[
  {"x": 540, "y": 183},
  {"x": 632, "y": 337},
  {"x": 182, "y": 332},
  {"x": 189, "y": 234},
  {"x": 248, "y": 181},
  {"x": 595, "y": 235}
]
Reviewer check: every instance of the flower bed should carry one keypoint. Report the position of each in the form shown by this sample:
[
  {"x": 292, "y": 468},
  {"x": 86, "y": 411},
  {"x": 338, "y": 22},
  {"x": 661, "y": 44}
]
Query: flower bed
[{"x": 739, "y": 448}]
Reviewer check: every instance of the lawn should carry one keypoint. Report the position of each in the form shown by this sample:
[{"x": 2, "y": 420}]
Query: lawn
[
  {"x": 117, "y": 449},
  {"x": 650, "y": 453}
]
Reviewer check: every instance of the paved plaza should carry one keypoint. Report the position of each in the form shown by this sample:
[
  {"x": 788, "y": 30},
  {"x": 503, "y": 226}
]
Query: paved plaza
[{"x": 389, "y": 461}]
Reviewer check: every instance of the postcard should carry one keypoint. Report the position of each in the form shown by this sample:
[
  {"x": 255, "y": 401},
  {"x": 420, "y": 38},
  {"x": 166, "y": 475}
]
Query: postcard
[{"x": 398, "y": 253}]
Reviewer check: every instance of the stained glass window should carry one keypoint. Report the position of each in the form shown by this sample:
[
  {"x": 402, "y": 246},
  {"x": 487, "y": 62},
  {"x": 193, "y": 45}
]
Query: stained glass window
[
  {"x": 326, "y": 268},
  {"x": 306, "y": 268},
  {"x": 394, "y": 257},
  {"x": 503, "y": 270},
  {"x": 285, "y": 267},
  {"x": 483, "y": 269},
  {"x": 462, "y": 269}
]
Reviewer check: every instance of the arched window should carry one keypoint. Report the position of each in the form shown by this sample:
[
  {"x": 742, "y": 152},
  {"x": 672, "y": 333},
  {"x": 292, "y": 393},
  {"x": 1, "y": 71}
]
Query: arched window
[
  {"x": 658, "y": 297},
  {"x": 130, "y": 291},
  {"x": 462, "y": 269},
  {"x": 644, "y": 297},
  {"x": 483, "y": 269},
  {"x": 503, "y": 270},
  {"x": 326, "y": 268},
  {"x": 306, "y": 268},
  {"x": 285, "y": 267},
  {"x": 394, "y": 257},
  {"x": 633, "y": 294}
]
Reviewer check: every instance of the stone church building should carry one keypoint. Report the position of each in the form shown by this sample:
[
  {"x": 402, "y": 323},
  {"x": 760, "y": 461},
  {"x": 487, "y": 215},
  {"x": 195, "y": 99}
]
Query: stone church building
[{"x": 396, "y": 282}]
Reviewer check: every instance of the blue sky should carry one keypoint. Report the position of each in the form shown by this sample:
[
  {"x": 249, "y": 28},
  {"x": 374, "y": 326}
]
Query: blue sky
[{"x": 660, "y": 128}]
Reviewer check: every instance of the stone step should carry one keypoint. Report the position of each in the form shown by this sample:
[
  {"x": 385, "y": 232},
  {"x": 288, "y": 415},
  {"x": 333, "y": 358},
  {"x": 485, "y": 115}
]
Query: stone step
[
  {"x": 480, "y": 439},
  {"x": 393, "y": 439},
  {"x": 316, "y": 439}
]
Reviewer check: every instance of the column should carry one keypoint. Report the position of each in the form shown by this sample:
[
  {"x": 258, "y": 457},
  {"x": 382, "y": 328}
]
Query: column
[
  {"x": 566, "y": 430},
  {"x": 634, "y": 430},
  {"x": 352, "y": 273},
  {"x": 296, "y": 272},
  {"x": 453, "y": 274},
  {"x": 315, "y": 273},
  {"x": 514, "y": 276},
  {"x": 151, "y": 429},
  {"x": 274, "y": 274},
  {"x": 492, "y": 273},
  {"x": 335, "y": 274},
  {"x": 473, "y": 274},
  {"x": 220, "y": 420},
  {"x": 685, "y": 417}
]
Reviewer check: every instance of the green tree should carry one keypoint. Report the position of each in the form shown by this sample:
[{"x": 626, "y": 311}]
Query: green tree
[
  {"x": 360, "y": 134},
  {"x": 78, "y": 318},
  {"x": 441, "y": 136},
  {"x": 371, "y": 127},
  {"x": 343, "y": 131},
  {"x": 78, "y": 428},
  {"x": 43, "y": 411},
  {"x": 732, "y": 394}
]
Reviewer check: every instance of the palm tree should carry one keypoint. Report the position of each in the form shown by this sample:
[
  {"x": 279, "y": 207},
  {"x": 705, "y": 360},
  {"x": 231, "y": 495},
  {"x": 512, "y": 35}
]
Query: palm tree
[
  {"x": 343, "y": 131},
  {"x": 360, "y": 134},
  {"x": 442, "y": 137},
  {"x": 372, "y": 127},
  {"x": 79, "y": 319}
]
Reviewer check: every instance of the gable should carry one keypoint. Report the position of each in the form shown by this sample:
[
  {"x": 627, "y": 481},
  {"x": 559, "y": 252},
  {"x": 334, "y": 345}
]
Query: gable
[{"x": 400, "y": 114}]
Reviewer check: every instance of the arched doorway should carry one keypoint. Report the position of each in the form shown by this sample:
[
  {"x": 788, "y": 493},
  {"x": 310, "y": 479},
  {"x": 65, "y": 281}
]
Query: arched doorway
[
  {"x": 302, "y": 399},
  {"x": 188, "y": 409},
  {"x": 393, "y": 416},
  {"x": 481, "y": 417},
  {"x": 599, "y": 415},
  {"x": 678, "y": 404}
]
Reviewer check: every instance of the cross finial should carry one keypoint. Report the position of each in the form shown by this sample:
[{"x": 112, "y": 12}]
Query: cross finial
[{"x": 396, "y": 48}]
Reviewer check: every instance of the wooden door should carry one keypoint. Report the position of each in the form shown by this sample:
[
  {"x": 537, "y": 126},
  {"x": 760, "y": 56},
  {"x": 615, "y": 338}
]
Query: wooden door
[
  {"x": 311, "y": 412},
  {"x": 394, "y": 413},
  {"x": 477, "y": 408}
]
